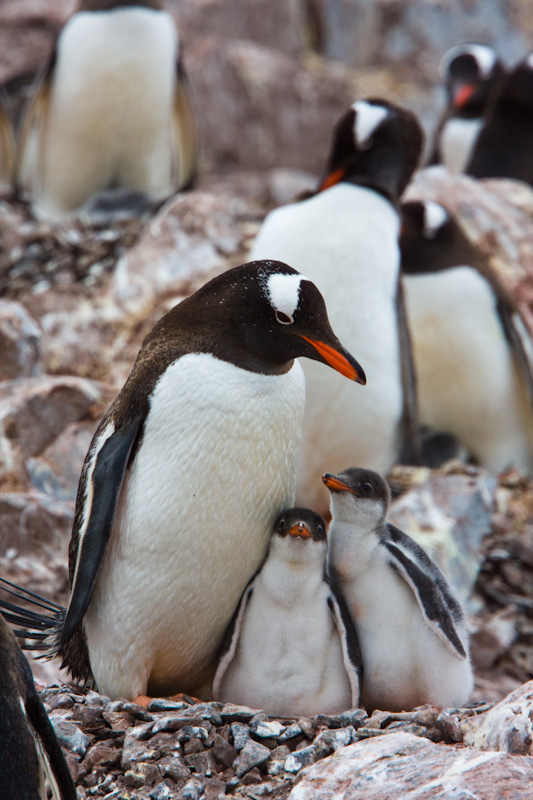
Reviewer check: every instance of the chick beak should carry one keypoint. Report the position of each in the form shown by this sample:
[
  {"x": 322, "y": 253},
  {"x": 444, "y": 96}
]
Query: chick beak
[
  {"x": 335, "y": 484},
  {"x": 300, "y": 529}
]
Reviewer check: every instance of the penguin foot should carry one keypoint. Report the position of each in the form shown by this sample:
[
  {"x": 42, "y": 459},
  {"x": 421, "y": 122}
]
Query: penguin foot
[
  {"x": 142, "y": 700},
  {"x": 180, "y": 697}
]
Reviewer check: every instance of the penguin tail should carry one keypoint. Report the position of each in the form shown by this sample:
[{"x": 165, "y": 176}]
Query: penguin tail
[{"x": 35, "y": 629}]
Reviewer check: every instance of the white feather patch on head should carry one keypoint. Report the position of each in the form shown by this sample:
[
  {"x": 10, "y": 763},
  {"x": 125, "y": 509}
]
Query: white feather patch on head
[
  {"x": 284, "y": 292},
  {"x": 529, "y": 60},
  {"x": 435, "y": 216},
  {"x": 484, "y": 55},
  {"x": 367, "y": 119}
]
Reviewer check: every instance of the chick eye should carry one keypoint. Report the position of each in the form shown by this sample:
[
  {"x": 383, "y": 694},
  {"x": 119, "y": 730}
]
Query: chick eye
[
  {"x": 283, "y": 319},
  {"x": 320, "y": 530},
  {"x": 367, "y": 488},
  {"x": 281, "y": 524}
]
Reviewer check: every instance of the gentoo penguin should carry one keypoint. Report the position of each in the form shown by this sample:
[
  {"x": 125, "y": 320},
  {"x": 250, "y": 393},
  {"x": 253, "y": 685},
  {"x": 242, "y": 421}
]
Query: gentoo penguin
[
  {"x": 29, "y": 749},
  {"x": 472, "y": 74},
  {"x": 185, "y": 477},
  {"x": 291, "y": 648},
  {"x": 471, "y": 348},
  {"x": 503, "y": 147},
  {"x": 112, "y": 115},
  {"x": 346, "y": 237},
  {"x": 411, "y": 629}
]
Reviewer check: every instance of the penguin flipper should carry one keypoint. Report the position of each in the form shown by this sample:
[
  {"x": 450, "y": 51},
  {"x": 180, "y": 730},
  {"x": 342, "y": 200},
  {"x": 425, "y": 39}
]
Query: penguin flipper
[
  {"x": 7, "y": 145},
  {"x": 185, "y": 131},
  {"x": 231, "y": 640},
  {"x": 411, "y": 446},
  {"x": 440, "y": 609},
  {"x": 351, "y": 651},
  {"x": 95, "y": 515},
  {"x": 49, "y": 749},
  {"x": 29, "y": 163},
  {"x": 520, "y": 341}
]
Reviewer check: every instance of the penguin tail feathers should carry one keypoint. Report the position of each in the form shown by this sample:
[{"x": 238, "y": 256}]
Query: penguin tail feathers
[{"x": 35, "y": 630}]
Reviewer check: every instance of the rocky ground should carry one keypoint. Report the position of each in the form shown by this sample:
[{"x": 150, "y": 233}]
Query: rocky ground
[{"x": 77, "y": 299}]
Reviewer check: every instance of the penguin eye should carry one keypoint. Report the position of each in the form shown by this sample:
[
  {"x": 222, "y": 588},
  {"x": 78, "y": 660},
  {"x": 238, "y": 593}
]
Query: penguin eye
[
  {"x": 320, "y": 530},
  {"x": 283, "y": 319},
  {"x": 281, "y": 524},
  {"x": 367, "y": 488}
]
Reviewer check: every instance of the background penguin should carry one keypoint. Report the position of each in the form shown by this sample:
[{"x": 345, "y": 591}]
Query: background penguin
[
  {"x": 472, "y": 74},
  {"x": 503, "y": 148},
  {"x": 347, "y": 238},
  {"x": 472, "y": 350},
  {"x": 291, "y": 648},
  {"x": 185, "y": 477},
  {"x": 112, "y": 113},
  {"x": 28, "y": 745},
  {"x": 411, "y": 629},
  {"x": 7, "y": 147}
]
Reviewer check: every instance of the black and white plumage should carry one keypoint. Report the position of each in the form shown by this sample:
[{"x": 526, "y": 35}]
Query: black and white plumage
[
  {"x": 291, "y": 648},
  {"x": 503, "y": 147},
  {"x": 411, "y": 629},
  {"x": 29, "y": 749},
  {"x": 471, "y": 75},
  {"x": 472, "y": 350},
  {"x": 346, "y": 235},
  {"x": 111, "y": 119},
  {"x": 185, "y": 476}
]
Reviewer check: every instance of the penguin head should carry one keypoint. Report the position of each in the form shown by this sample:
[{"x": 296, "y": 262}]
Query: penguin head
[
  {"x": 431, "y": 239},
  {"x": 470, "y": 72},
  {"x": 516, "y": 92},
  {"x": 358, "y": 496},
  {"x": 376, "y": 144},
  {"x": 259, "y": 316},
  {"x": 109, "y": 5},
  {"x": 299, "y": 535}
]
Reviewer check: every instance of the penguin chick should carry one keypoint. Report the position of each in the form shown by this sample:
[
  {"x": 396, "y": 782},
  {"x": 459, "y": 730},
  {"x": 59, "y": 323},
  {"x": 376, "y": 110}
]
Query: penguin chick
[
  {"x": 347, "y": 238},
  {"x": 471, "y": 74},
  {"x": 470, "y": 344},
  {"x": 184, "y": 478},
  {"x": 291, "y": 648},
  {"x": 29, "y": 749},
  {"x": 411, "y": 629},
  {"x": 111, "y": 114},
  {"x": 503, "y": 147}
]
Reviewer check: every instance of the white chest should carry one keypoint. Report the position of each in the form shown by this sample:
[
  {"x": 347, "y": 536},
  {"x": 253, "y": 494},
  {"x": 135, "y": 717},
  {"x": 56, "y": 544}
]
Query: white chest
[{"x": 458, "y": 137}]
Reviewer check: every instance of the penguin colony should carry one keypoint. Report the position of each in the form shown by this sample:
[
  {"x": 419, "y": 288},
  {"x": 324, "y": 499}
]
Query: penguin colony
[{"x": 201, "y": 576}]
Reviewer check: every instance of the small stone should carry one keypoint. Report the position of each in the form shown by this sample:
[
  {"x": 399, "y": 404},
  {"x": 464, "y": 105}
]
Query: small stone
[
  {"x": 193, "y": 789},
  {"x": 300, "y": 759},
  {"x": 355, "y": 717},
  {"x": 193, "y": 746},
  {"x": 223, "y": 751},
  {"x": 252, "y": 755},
  {"x": 202, "y": 763},
  {"x": 163, "y": 791},
  {"x": 252, "y": 777},
  {"x": 195, "y": 732},
  {"x": 234, "y": 713},
  {"x": 307, "y": 727},
  {"x": 70, "y": 736},
  {"x": 173, "y": 767},
  {"x": 100, "y": 755},
  {"x": 290, "y": 732},
  {"x": 163, "y": 704},
  {"x": 269, "y": 729},
  {"x": 329, "y": 741},
  {"x": 241, "y": 735}
]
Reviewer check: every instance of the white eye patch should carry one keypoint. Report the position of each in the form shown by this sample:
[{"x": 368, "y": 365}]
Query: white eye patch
[
  {"x": 434, "y": 217},
  {"x": 485, "y": 57},
  {"x": 284, "y": 292},
  {"x": 367, "y": 118}
]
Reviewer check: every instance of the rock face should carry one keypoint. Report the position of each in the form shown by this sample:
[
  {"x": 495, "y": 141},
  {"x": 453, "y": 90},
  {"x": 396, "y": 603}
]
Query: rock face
[
  {"x": 402, "y": 765},
  {"x": 507, "y": 727}
]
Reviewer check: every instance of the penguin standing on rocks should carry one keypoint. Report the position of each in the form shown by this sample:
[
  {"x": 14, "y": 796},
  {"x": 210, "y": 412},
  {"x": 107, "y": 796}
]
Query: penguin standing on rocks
[
  {"x": 29, "y": 749},
  {"x": 411, "y": 629},
  {"x": 111, "y": 120},
  {"x": 472, "y": 350},
  {"x": 185, "y": 477},
  {"x": 472, "y": 74},
  {"x": 346, "y": 235},
  {"x": 503, "y": 148},
  {"x": 291, "y": 648}
]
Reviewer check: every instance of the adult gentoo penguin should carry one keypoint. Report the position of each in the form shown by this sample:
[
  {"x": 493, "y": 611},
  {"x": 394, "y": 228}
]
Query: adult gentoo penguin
[
  {"x": 7, "y": 147},
  {"x": 185, "y": 477},
  {"x": 291, "y": 648},
  {"x": 472, "y": 350},
  {"x": 503, "y": 147},
  {"x": 411, "y": 629},
  {"x": 471, "y": 74},
  {"x": 346, "y": 237},
  {"x": 111, "y": 116},
  {"x": 29, "y": 749}
]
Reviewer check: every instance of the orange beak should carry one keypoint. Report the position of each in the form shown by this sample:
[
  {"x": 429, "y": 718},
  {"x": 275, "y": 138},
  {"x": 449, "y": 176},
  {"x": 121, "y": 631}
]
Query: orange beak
[
  {"x": 300, "y": 530},
  {"x": 338, "y": 361},
  {"x": 333, "y": 178},
  {"x": 463, "y": 95},
  {"x": 332, "y": 482}
]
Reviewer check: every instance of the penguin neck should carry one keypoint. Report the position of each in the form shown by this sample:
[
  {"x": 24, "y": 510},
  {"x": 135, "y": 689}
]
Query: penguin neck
[
  {"x": 385, "y": 172},
  {"x": 293, "y": 580},
  {"x": 351, "y": 548}
]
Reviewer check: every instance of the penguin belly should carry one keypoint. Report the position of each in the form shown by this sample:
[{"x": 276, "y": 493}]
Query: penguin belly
[
  {"x": 469, "y": 382},
  {"x": 405, "y": 664},
  {"x": 289, "y": 659},
  {"x": 108, "y": 123},
  {"x": 457, "y": 141},
  {"x": 345, "y": 240},
  {"x": 215, "y": 466}
]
